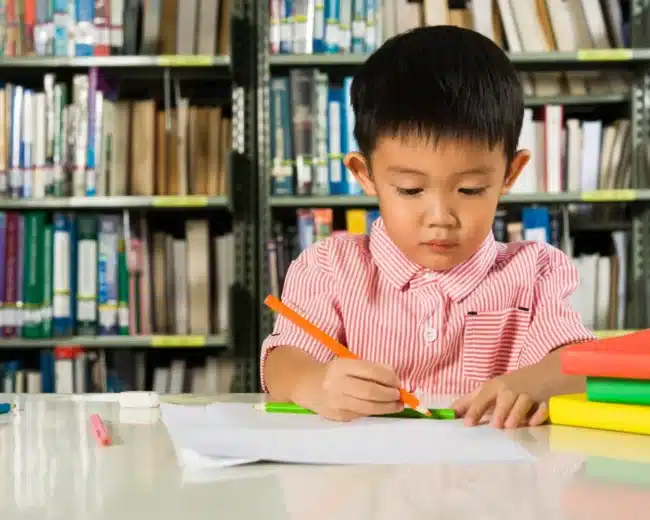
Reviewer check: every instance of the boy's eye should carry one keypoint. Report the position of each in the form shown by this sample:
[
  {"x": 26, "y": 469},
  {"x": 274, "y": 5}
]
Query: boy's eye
[
  {"x": 409, "y": 191},
  {"x": 472, "y": 191}
]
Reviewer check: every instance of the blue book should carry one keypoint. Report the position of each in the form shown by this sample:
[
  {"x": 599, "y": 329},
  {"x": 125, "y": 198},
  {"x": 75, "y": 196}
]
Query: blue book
[
  {"x": 319, "y": 27},
  {"x": 371, "y": 216},
  {"x": 332, "y": 30},
  {"x": 537, "y": 224},
  {"x": 372, "y": 18},
  {"x": 107, "y": 274},
  {"x": 338, "y": 184},
  {"x": 349, "y": 142},
  {"x": 286, "y": 27},
  {"x": 358, "y": 26},
  {"x": 84, "y": 18},
  {"x": 61, "y": 22},
  {"x": 282, "y": 163}
]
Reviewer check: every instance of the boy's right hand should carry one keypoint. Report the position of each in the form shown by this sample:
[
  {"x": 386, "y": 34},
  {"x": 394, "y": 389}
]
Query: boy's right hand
[{"x": 346, "y": 389}]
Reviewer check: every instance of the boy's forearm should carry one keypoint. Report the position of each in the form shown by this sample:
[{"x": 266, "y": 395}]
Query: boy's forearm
[
  {"x": 548, "y": 379},
  {"x": 287, "y": 370}
]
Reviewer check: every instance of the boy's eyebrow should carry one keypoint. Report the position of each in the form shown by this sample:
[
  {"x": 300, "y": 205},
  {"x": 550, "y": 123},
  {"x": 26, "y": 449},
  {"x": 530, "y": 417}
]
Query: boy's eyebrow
[
  {"x": 401, "y": 169},
  {"x": 480, "y": 170}
]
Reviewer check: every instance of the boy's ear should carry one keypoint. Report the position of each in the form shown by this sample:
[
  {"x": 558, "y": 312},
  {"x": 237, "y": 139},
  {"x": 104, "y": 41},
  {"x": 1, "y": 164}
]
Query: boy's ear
[
  {"x": 519, "y": 161},
  {"x": 357, "y": 164}
]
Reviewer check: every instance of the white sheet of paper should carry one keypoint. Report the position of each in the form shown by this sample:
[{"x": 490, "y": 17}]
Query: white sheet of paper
[{"x": 235, "y": 433}]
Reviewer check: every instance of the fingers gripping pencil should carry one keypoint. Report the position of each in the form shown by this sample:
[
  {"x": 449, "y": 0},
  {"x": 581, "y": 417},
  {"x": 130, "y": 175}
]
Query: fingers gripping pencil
[{"x": 340, "y": 350}]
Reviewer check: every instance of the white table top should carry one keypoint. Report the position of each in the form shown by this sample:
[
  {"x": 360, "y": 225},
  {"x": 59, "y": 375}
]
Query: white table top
[{"x": 51, "y": 468}]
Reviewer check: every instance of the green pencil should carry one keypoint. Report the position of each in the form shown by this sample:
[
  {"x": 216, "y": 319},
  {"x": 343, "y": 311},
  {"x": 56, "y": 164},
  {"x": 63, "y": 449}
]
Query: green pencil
[{"x": 408, "y": 413}]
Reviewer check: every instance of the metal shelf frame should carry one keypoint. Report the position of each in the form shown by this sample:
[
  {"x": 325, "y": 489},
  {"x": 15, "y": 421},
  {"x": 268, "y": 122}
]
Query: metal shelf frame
[
  {"x": 635, "y": 60},
  {"x": 220, "y": 341},
  {"x": 115, "y": 203},
  {"x": 246, "y": 34}
]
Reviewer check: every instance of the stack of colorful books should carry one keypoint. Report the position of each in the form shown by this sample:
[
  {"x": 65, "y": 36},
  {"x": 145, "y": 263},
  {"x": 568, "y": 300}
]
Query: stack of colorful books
[{"x": 617, "y": 395}]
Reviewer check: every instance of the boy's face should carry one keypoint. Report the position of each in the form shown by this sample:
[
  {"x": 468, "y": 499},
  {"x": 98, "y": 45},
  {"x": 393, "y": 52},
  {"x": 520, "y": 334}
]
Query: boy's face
[{"x": 438, "y": 201}]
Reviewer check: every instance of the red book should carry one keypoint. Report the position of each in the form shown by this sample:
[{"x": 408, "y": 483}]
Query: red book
[{"x": 622, "y": 357}]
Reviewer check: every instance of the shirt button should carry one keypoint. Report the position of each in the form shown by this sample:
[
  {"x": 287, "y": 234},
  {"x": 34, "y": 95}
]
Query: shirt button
[
  {"x": 428, "y": 276},
  {"x": 430, "y": 334}
]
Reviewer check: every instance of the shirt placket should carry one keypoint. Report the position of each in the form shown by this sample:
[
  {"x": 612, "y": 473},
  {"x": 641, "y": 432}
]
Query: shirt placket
[{"x": 430, "y": 325}]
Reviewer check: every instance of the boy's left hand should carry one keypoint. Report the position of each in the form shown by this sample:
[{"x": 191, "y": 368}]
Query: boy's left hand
[{"x": 508, "y": 398}]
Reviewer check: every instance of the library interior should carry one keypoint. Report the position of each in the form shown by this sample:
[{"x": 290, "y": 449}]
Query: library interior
[{"x": 142, "y": 282}]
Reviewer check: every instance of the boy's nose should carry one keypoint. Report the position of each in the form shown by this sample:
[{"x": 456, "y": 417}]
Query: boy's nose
[{"x": 440, "y": 215}]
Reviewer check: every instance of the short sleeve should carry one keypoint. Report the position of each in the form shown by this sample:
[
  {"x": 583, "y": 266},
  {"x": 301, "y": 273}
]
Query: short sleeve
[
  {"x": 310, "y": 290},
  {"x": 554, "y": 323}
]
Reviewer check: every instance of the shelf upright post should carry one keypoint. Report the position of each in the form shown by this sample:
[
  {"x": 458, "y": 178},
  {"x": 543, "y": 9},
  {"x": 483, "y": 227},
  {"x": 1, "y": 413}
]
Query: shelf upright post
[
  {"x": 242, "y": 193},
  {"x": 264, "y": 175},
  {"x": 638, "y": 280}
]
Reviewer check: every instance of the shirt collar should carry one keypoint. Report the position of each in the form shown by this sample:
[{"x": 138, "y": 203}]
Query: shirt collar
[{"x": 457, "y": 283}]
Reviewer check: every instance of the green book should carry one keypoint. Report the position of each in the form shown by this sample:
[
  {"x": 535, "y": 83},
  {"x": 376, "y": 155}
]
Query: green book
[
  {"x": 48, "y": 283},
  {"x": 122, "y": 289},
  {"x": 623, "y": 391},
  {"x": 32, "y": 280},
  {"x": 60, "y": 144}
]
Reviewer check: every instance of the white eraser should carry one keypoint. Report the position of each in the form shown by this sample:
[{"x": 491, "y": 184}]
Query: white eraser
[
  {"x": 139, "y": 399},
  {"x": 139, "y": 415}
]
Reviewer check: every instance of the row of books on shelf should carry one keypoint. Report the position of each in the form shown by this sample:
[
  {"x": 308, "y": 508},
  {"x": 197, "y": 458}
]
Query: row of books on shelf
[
  {"x": 87, "y": 144},
  {"x": 312, "y": 129},
  {"x": 100, "y": 28},
  {"x": 66, "y": 274},
  {"x": 359, "y": 26},
  {"x": 570, "y": 155},
  {"x": 601, "y": 297},
  {"x": 68, "y": 370}
]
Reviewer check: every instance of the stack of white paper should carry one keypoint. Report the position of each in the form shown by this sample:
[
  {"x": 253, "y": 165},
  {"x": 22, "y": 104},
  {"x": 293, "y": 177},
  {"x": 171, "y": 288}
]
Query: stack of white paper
[{"x": 226, "y": 434}]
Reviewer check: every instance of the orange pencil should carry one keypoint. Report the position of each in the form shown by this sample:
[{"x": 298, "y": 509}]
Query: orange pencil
[{"x": 339, "y": 350}]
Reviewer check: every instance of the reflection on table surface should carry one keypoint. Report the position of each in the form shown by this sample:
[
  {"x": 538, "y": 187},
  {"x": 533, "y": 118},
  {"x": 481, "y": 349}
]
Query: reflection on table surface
[{"x": 52, "y": 468}]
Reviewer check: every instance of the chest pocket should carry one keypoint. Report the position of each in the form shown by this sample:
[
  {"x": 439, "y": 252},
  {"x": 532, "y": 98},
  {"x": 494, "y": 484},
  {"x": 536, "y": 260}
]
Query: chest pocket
[{"x": 492, "y": 342}]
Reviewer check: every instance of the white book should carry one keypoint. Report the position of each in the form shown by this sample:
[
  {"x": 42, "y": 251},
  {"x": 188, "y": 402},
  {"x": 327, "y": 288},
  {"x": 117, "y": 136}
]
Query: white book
[
  {"x": 117, "y": 23},
  {"x": 177, "y": 376},
  {"x": 86, "y": 280},
  {"x": 41, "y": 178},
  {"x": 553, "y": 115},
  {"x": 28, "y": 144}
]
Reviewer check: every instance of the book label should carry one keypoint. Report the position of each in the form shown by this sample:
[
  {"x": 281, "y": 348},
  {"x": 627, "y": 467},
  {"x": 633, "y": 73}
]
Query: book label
[
  {"x": 178, "y": 341},
  {"x": 609, "y": 196}
]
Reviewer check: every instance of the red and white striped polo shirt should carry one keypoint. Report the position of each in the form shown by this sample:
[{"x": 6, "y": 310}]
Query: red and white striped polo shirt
[{"x": 443, "y": 332}]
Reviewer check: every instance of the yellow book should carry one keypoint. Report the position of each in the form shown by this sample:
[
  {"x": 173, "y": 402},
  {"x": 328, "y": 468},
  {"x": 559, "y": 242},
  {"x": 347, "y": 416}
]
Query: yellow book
[
  {"x": 576, "y": 410},
  {"x": 356, "y": 221}
]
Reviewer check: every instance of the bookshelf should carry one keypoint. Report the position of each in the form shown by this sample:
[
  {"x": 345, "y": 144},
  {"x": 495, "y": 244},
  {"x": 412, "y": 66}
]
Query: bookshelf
[
  {"x": 618, "y": 205},
  {"x": 163, "y": 209}
]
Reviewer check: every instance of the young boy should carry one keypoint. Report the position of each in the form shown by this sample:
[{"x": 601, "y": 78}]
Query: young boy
[{"x": 430, "y": 300}]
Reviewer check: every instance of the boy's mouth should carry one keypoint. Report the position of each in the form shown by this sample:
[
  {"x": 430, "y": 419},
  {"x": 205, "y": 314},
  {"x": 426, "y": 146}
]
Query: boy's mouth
[{"x": 441, "y": 245}]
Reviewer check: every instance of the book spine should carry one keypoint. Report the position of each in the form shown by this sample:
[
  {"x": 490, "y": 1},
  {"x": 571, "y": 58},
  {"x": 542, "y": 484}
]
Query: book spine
[
  {"x": 47, "y": 277},
  {"x": 11, "y": 275},
  {"x": 62, "y": 277},
  {"x": 86, "y": 275}
]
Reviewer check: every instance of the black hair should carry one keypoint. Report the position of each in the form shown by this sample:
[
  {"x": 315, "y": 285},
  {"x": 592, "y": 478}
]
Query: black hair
[{"x": 438, "y": 82}]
